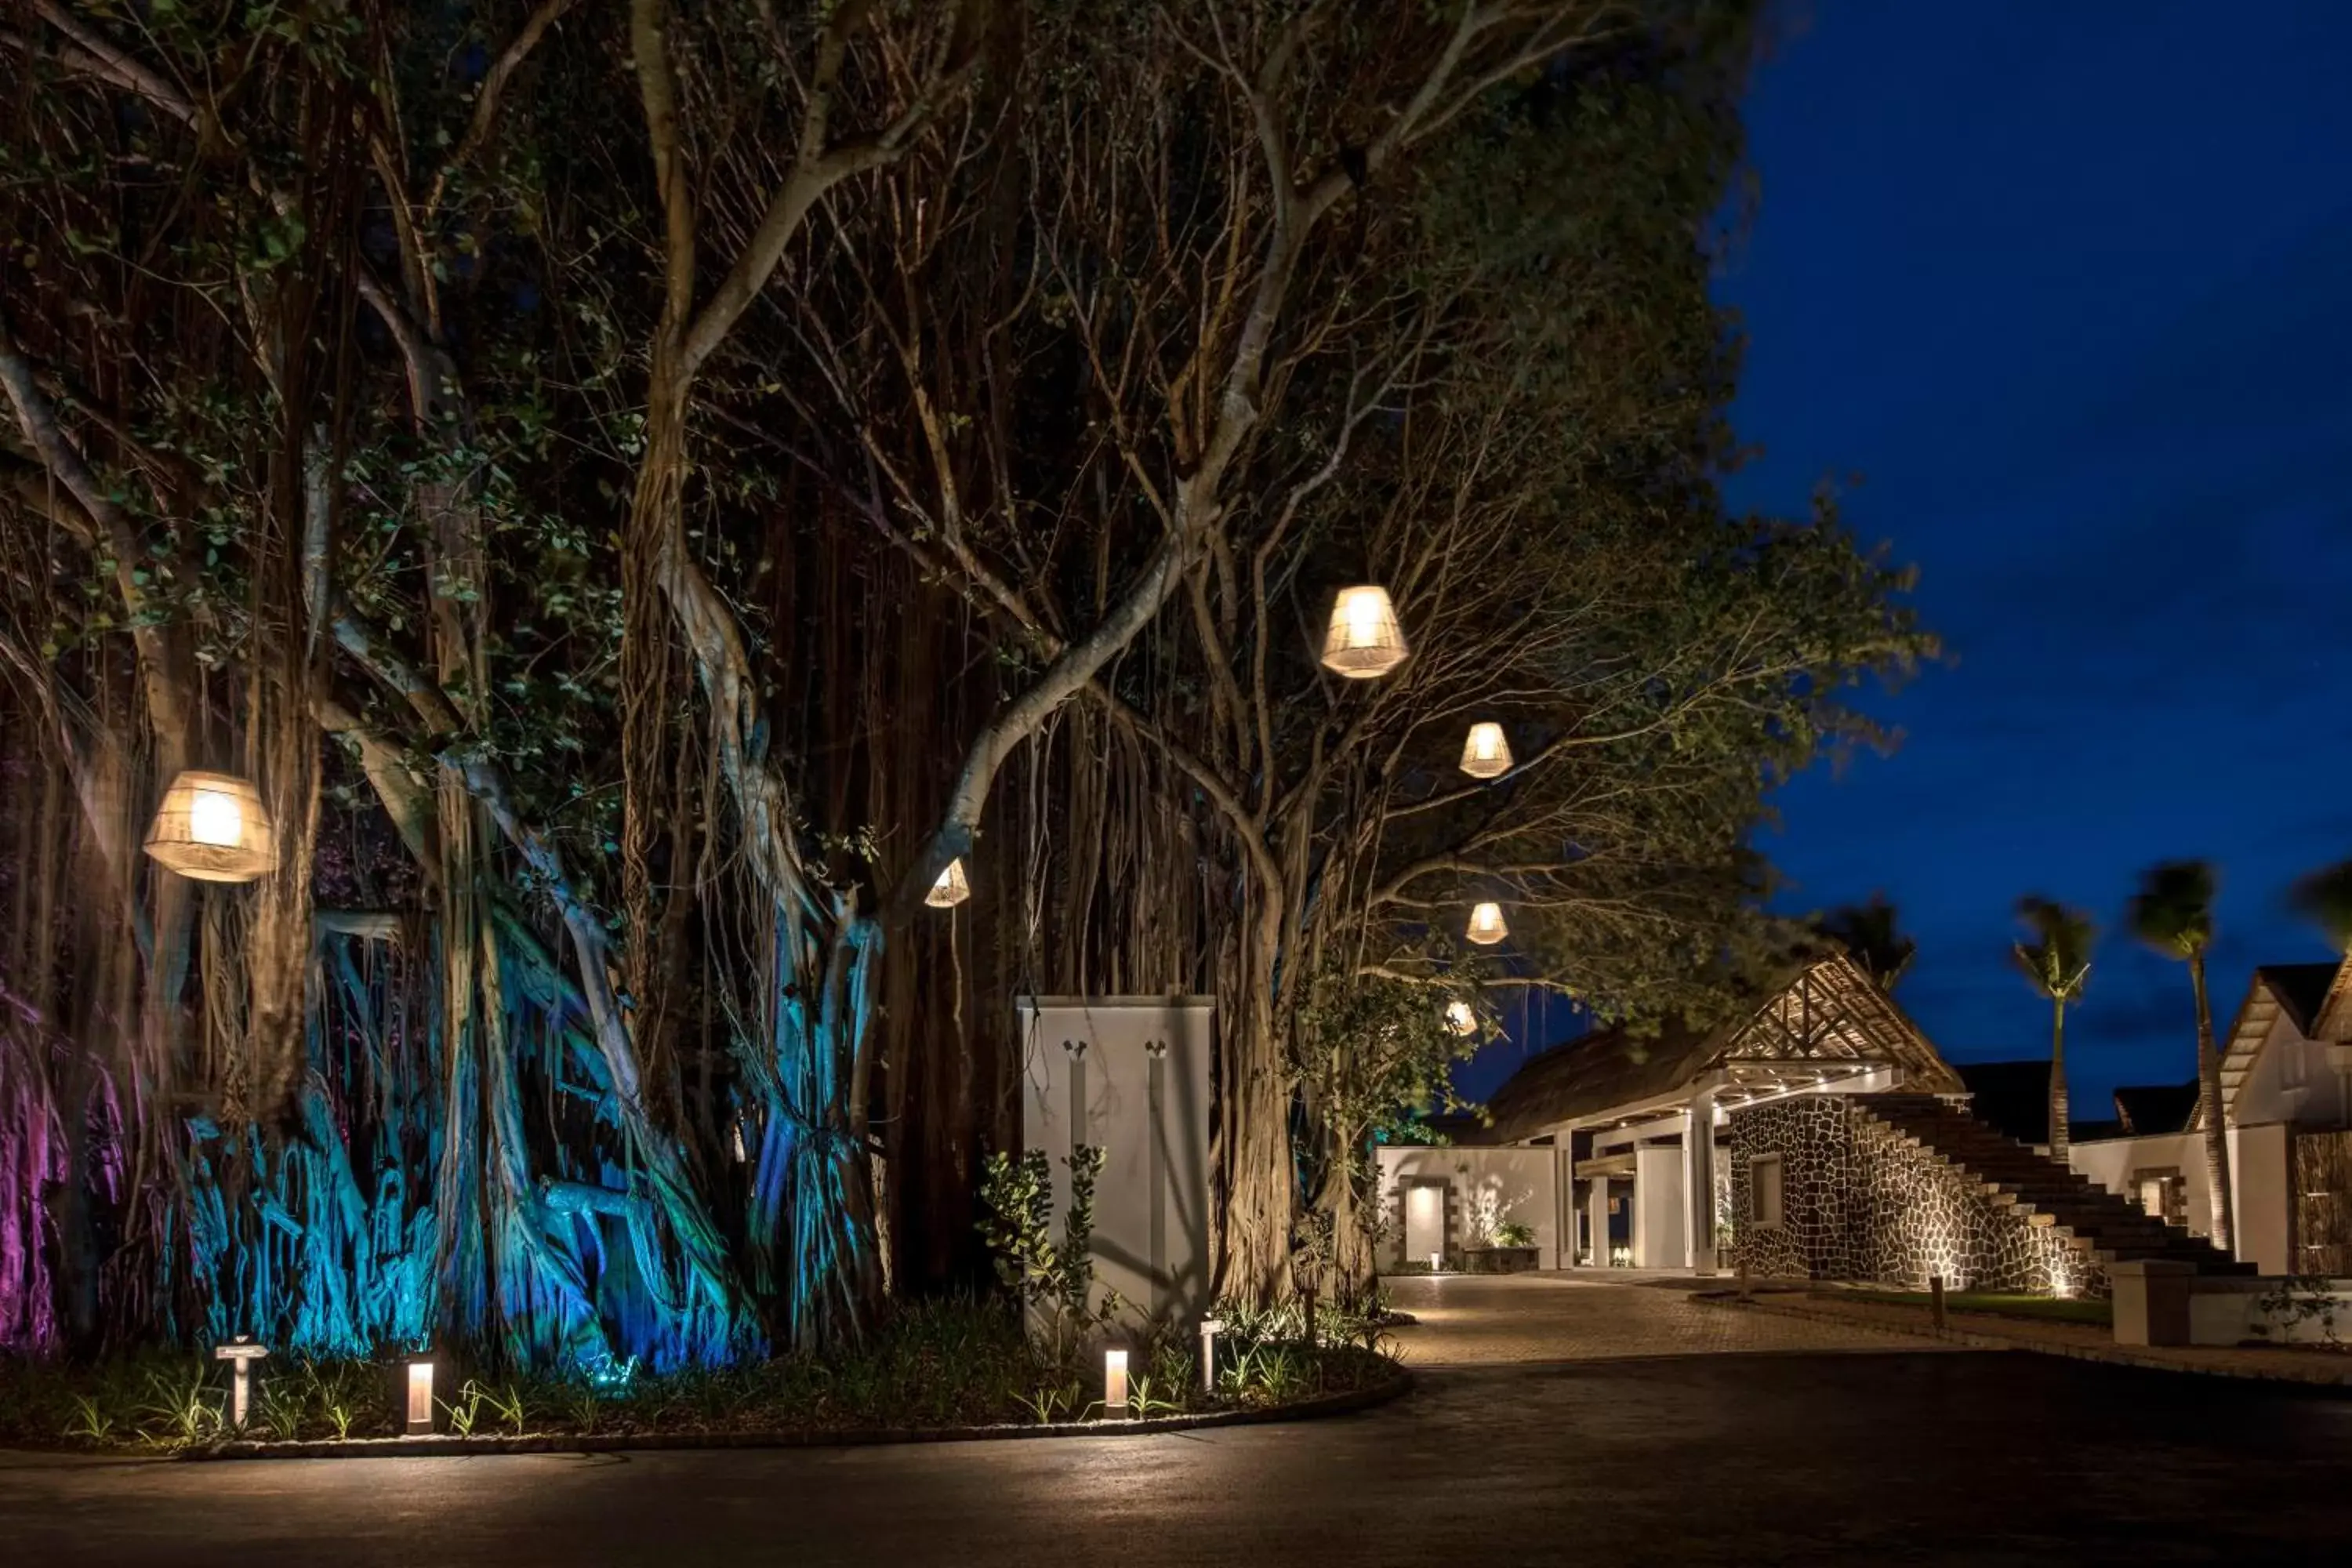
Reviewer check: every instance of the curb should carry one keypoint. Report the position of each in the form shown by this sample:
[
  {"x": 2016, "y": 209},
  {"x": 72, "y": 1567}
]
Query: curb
[
  {"x": 2117, "y": 1355},
  {"x": 1314, "y": 1409}
]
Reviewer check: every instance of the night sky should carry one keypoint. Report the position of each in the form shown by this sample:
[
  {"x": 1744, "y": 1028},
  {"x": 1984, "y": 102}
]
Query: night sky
[{"x": 2061, "y": 294}]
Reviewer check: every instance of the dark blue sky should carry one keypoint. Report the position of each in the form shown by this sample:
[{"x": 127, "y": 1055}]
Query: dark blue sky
[{"x": 2066, "y": 291}]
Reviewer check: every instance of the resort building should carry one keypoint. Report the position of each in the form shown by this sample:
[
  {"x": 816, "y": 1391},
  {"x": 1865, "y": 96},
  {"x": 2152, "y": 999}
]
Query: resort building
[{"x": 1818, "y": 1134}]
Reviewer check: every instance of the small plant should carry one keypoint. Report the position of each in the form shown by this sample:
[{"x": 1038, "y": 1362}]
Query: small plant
[
  {"x": 506, "y": 1403},
  {"x": 182, "y": 1408},
  {"x": 92, "y": 1420},
  {"x": 1515, "y": 1233},
  {"x": 284, "y": 1402},
  {"x": 1056, "y": 1279},
  {"x": 583, "y": 1406},
  {"x": 1143, "y": 1404},
  {"x": 466, "y": 1409},
  {"x": 1049, "y": 1405}
]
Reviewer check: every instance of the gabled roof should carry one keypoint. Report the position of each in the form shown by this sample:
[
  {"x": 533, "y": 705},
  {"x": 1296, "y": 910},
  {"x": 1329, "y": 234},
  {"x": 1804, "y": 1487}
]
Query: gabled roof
[
  {"x": 2300, "y": 991},
  {"x": 1828, "y": 1015}
]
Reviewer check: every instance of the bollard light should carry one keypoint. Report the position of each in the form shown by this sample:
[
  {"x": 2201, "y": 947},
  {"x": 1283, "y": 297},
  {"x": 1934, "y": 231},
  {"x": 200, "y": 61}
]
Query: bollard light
[
  {"x": 1436, "y": 1262},
  {"x": 1210, "y": 1329},
  {"x": 240, "y": 1354},
  {"x": 1114, "y": 1383},
  {"x": 420, "y": 1396}
]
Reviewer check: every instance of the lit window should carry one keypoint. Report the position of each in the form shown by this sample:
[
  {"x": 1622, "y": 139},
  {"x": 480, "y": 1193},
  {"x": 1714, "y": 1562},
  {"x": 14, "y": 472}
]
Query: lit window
[{"x": 1764, "y": 1192}]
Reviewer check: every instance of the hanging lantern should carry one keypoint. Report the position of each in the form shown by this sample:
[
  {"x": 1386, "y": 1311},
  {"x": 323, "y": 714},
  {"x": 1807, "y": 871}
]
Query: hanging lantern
[
  {"x": 1485, "y": 754},
  {"x": 1486, "y": 927},
  {"x": 952, "y": 888},
  {"x": 1460, "y": 1018},
  {"x": 1365, "y": 641},
  {"x": 214, "y": 827}
]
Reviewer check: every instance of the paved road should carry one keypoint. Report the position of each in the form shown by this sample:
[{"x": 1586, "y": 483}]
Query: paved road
[
  {"x": 1469, "y": 1320},
  {"x": 1778, "y": 1453}
]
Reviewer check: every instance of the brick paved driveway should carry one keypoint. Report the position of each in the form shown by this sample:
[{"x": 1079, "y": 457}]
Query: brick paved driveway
[{"x": 1481, "y": 1321}]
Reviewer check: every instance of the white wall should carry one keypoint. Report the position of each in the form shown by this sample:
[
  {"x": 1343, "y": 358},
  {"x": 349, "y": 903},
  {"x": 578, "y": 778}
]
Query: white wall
[
  {"x": 1661, "y": 1214},
  {"x": 2227, "y": 1311},
  {"x": 2261, "y": 1194},
  {"x": 1130, "y": 1075},
  {"x": 1519, "y": 1184}
]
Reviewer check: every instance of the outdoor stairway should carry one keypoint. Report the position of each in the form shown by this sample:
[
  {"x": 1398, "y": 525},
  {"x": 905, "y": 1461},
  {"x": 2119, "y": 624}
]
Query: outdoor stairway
[{"x": 2113, "y": 1229}]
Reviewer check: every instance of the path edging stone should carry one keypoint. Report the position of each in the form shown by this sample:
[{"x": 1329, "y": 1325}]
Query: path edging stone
[{"x": 443, "y": 1446}]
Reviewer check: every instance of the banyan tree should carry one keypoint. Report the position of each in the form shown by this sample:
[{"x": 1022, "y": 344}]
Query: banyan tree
[{"x": 727, "y": 542}]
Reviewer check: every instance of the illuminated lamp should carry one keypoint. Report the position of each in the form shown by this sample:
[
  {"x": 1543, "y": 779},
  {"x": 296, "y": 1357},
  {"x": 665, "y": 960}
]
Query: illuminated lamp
[
  {"x": 1115, "y": 1382},
  {"x": 1486, "y": 927},
  {"x": 1485, "y": 752},
  {"x": 952, "y": 888},
  {"x": 420, "y": 1396},
  {"x": 214, "y": 828},
  {"x": 1210, "y": 1329},
  {"x": 1460, "y": 1018},
  {"x": 1365, "y": 641},
  {"x": 240, "y": 1354},
  {"x": 1437, "y": 1263}
]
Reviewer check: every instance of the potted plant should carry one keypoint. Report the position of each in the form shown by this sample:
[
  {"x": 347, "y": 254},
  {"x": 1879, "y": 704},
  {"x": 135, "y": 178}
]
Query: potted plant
[{"x": 1510, "y": 1249}]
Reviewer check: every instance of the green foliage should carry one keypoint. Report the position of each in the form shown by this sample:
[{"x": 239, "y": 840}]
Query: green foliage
[
  {"x": 1053, "y": 1279},
  {"x": 2056, "y": 959},
  {"x": 2324, "y": 899},
  {"x": 1872, "y": 935},
  {"x": 1513, "y": 1232},
  {"x": 2173, "y": 910}
]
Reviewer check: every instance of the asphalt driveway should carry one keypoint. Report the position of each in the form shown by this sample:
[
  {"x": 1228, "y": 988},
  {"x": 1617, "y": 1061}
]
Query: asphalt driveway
[{"x": 1773, "y": 1452}]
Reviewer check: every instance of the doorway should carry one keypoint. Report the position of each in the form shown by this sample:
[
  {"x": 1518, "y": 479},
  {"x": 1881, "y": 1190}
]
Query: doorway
[{"x": 1424, "y": 1221}]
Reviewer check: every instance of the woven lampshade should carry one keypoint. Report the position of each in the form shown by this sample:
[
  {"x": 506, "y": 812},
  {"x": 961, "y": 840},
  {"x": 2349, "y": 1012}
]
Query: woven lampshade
[
  {"x": 214, "y": 828},
  {"x": 1460, "y": 1018},
  {"x": 952, "y": 888},
  {"x": 1486, "y": 927},
  {"x": 1365, "y": 641},
  {"x": 1487, "y": 753}
]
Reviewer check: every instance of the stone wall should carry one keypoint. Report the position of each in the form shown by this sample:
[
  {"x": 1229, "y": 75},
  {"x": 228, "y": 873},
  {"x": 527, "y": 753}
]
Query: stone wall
[{"x": 1858, "y": 1202}]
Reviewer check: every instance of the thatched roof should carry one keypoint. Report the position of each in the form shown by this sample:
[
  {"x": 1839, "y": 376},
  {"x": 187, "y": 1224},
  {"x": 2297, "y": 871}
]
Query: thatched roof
[{"x": 1828, "y": 1014}]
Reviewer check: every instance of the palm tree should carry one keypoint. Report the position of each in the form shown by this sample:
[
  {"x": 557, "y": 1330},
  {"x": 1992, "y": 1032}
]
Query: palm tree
[
  {"x": 1872, "y": 935},
  {"x": 2173, "y": 913},
  {"x": 2324, "y": 899},
  {"x": 2056, "y": 962}
]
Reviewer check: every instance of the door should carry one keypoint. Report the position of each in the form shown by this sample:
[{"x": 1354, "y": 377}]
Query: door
[{"x": 1424, "y": 1222}]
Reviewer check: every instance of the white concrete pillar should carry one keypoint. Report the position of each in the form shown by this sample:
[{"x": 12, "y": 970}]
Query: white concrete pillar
[
  {"x": 1698, "y": 1179},
  {"x": 1596, "y": 1208}
]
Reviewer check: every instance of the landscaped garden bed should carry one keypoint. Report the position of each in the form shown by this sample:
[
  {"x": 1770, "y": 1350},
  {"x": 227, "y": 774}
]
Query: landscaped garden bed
[{"x": 937, "y": 1370}]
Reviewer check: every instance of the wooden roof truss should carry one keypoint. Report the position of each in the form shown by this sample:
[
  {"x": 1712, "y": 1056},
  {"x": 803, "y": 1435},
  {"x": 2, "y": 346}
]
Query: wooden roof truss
[{"x": 1831, "y": 1021}]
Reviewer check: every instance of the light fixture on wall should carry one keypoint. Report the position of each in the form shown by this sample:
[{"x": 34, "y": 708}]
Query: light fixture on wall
[
  {"x": 240, "y": 1354},
  {"x": 1486, "y": 927},
  {"x": 1364, "y": 641},
  {"x": 420, "y": 1397},
  {"x": 1486, "y": 751},
  {"x": 952, "y": 888},
  {"x": 212, "y": 827},
  {"x": 1115, "y": 1382},
  {"x": 1461, "y": 1018}
]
